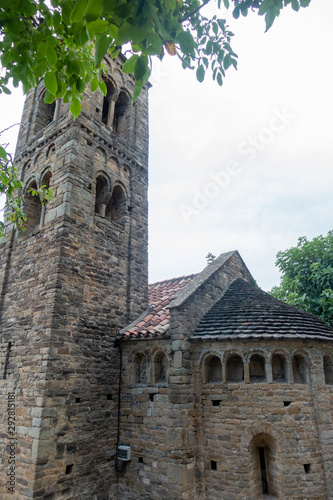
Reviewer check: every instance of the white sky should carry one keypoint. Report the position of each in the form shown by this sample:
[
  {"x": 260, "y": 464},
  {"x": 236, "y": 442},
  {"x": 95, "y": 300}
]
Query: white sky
[{"x": 247, "y": 166}]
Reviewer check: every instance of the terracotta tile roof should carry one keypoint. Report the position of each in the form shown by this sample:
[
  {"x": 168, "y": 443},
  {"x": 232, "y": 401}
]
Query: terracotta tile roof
[
  {"x": 245, "y": 311},
  {"x": 156, "y": 321}
]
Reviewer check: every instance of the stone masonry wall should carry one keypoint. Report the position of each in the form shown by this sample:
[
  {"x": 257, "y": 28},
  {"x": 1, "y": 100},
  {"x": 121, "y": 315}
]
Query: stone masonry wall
[
  {"x": 293, "y": 420},
  {"x": 70, "y": 282}
]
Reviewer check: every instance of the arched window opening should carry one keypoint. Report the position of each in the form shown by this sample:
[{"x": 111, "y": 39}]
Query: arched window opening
[
  {"x": 265, "y": 467},
  {"x": 140, "y": 369},
  {"x": 45, "y": 113},
  {"x": 160, "y": 367},
  {"x": 108, "y": 105},
  {"x": 257, "y": 368},
  {"x": 122, "y": 114},
  {"x": 213, "y": 370},
  {"x": 300, "y": 369},
  {"x": 101, "y": 195},
  {"x": 279, "y": 368},
  {"x": 235, "y": 369},
  {"x": 32, "y": 208},
  {"x": 116, "y": 208},
  {"x": 328, "y": 370},
  {"x": 46, "y": 179}
]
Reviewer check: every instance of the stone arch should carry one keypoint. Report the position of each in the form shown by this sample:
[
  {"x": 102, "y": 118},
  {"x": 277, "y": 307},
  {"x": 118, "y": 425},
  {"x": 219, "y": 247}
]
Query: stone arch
[
  {"x": 108, "y": 102},
  {"x": 234, "y": 367},
  {"x": 51, "y": 150},
  {"x": 160, "y": 367},
  {"x": 122, "y": 114},
  {"x": 264, "y": 466},
  {"x": 300, "y": 367},
  {"x": 45, "y": 112},
  {"x": 45, "y": 177},
  {"x": 25, "y": 169},
  {"x": 140, "y": 368},
  {"x": 212, "y": 369},
  {"x": 102, "y": 192},
  {"x": 279, "y": 367},
  {"x": 32, "y": 206},
  {"x": 257, "y": 368},
  {"x": 328, "y": 369},
  {"x": 116, "y": 207}
]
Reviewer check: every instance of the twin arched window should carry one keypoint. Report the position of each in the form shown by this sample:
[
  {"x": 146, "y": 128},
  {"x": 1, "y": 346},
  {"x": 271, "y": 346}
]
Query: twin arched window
[
  {"x": 141, "y": 369},
  {"x": 32, "y": 205},
  {"x": 111, "y": 205},
  {"x": 116, "y": 111}
]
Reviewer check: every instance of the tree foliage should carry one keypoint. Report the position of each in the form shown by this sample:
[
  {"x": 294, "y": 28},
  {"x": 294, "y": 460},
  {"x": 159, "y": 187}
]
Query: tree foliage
[
  {"x": 64, "y": 42},
  {"x": 307, "y": 276}
]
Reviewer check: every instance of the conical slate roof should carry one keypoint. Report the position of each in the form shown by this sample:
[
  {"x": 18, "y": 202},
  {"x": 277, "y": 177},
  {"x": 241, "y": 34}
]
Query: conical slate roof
[{"x": 245, "y": 311}]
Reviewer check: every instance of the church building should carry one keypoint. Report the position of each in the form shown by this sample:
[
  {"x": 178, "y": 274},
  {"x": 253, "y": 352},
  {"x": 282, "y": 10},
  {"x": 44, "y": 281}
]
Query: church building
[{"x": 201, "y": 387}]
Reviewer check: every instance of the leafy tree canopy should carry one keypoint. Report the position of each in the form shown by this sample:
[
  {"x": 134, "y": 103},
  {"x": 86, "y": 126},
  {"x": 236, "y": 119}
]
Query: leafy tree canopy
[
  {"x": 64, "y": 42},
  {"x": 307, "y": 276}
]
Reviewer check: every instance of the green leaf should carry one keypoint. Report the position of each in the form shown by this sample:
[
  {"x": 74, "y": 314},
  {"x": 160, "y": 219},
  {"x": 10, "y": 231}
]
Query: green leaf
[
  {"x": 75, "y": 107},
  {"x": 295, "y": 5},
  {"x": 101, "y": 47},
  {"x": 140, "y": 67},
  {"x": 186, "y": 42},
  {"x": 79, "y": 11},
  {"x": 129, "y": 65},
  {"x": 200, "y": 74},
  {"x": 41, "y": 49},
  {"x": 99, "y": 26},
  {"x": 50, "y": 82},
  {"x": 227, "y": 61},
  {"x": 3, "y": 153},
  {"x": 269, "y": 17},
  {"x": 219, "y": 79},
  {"x": 94, "y": 84},
  {"x": 49, "y": 98},
  {"x": 264, "y": 7},
  {"x": 124, "y": 33},
  {"x": 94, "y": 10},
  {"x": 51, "y": 57},
  {"x": 226, "y": 3},
  {"x": 137, "y": 89},
  {"x": 102, "y": 87}
]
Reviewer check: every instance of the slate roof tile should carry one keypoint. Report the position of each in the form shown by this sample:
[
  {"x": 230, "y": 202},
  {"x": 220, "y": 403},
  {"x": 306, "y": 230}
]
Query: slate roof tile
[{"x": 246, "y": 310}]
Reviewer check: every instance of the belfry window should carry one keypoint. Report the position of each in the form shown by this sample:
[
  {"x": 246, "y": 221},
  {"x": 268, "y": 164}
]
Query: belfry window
[
  {"x": 108, "y": 105},
  {"x": 257, "y": 368},
  {"x": 45, "y": 113},
  {"x": 235, "y": 369},
  {"x": 101, "y": 195},
  {"x": 122, "y": 115},
  {"x": 116, "y": 208},
  {"x": 32, "y": 208}
]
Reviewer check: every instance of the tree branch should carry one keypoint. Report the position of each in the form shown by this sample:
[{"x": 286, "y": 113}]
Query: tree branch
[{"x": 194, "y": 11}]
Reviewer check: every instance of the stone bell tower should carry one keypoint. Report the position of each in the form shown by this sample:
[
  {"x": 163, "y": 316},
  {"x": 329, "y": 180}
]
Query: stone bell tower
[{"x": 67, "y": 284}]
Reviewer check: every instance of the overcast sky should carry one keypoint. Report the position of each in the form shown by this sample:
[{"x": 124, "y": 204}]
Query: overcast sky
[{"x": 247, "y": 166}]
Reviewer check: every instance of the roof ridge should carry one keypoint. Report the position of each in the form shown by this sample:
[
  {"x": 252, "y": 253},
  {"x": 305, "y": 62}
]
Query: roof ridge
[{"x": 173, "y": 279}]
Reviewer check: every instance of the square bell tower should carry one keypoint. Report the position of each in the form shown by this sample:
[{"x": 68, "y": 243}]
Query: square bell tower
[{"x": 68, "y": 284}]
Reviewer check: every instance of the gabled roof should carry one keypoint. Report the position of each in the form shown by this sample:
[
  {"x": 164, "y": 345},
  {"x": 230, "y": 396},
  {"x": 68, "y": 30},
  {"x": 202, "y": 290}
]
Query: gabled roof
[
  {"x": 156, "y": 321},
  {"x": 245, "y": 311}
]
